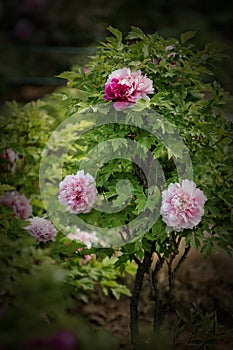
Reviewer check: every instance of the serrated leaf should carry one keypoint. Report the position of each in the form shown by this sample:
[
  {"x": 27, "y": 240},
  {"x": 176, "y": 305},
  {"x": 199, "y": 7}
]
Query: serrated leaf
[
  {"x": 227, "y": 196},
  {"x": 5, "y": 188},
  {"x": 186, "y": 36},
  {"x": 116, "y": 32},
  {"x": 135, "y": 33},
  {"x": 145, "y": 50},
  {"x": 213, "y": 209}
]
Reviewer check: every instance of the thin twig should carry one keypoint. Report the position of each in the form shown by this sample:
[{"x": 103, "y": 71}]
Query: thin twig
[
  {"x": 122, "y": 237},
  {"x": 170, "y": 281},
  {"x": 126, "y": 230},
  {"x": 182, "y": 259},
  {"x": 138, "y": 262}
]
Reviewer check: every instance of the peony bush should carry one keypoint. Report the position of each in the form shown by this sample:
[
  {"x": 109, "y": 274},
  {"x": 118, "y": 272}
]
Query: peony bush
[{"x": 130, "y": 164}]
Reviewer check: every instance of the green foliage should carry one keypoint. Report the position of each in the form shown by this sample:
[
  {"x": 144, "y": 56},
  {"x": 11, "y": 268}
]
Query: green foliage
[
  {"x": 37, "y": 287},
  {"x": 35, "y": 300},
  {"x": 203, "y": 329},
  {"x": 190, "y": 101},
  {"x": 186, "y": 96}
]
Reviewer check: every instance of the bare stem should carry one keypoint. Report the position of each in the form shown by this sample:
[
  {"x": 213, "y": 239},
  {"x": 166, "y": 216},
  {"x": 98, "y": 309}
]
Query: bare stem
[
  {"x": 143, "y": 267},
  {"x": 182, "y": 259},
  {"x": 172, "y": 272},
  {"x": 158, "y": 312}
]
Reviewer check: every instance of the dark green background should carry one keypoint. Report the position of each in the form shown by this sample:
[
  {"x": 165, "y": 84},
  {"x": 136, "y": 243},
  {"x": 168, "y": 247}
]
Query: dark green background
[{"x": 41, "y": 38}]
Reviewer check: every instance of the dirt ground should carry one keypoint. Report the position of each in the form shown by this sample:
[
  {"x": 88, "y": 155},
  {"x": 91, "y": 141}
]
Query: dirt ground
[{"x": 206, "y": 282}]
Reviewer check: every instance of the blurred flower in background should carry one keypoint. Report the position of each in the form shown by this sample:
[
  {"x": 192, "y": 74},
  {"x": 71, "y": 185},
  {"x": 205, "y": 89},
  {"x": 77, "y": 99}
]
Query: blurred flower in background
[
  {"x": 85, "y": 237},
  {"x": 41, "y": 229},
  {"x": 8, "y": 159},
  {"x": 61, "y": 340},
  {"x": 18, "y": 202}
]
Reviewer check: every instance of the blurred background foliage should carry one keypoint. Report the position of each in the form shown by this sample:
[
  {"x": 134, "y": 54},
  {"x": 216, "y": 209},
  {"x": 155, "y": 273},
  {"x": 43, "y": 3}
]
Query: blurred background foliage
[{"x": 42, "y": 38}]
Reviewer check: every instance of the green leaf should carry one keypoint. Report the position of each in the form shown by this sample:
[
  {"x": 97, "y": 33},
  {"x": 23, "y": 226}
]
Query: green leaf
[
  {"x": 207, "y": 247},
  {"x": 135, "y": 33},
  {"x": 213, "y": 210},
  {"x": 194, "y": 239},
  {"x": 120, "y": 289},
  {"x": 5, "y": 188},
  {"x": 116, "y": 32},
  {"x": 227, "y": 196},
  {"x": 186, "y": 36}
]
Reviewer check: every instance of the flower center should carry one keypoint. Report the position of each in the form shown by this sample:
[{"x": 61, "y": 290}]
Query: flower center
[
  {"x": 78, "y": 195},
  {"x": 181, "y": 202}
]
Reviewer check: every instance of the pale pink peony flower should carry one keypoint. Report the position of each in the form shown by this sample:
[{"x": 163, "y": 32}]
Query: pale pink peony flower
[
  {"x": 78, "y": 192},
  {"x": 125, "y": 88},
  {"x": 41, "y": 229},
  {"x": 182, "y": 205},
  {"x": 18, "y": 202},
  {"x": 87, "y": 238},
  {"x": 8, "y": 159}
]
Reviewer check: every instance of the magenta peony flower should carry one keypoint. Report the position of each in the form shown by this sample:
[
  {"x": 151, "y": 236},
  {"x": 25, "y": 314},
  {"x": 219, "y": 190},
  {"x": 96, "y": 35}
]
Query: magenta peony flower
[
  {"x": 20, "y": 204},
  {"x": 182, "y": 205},
  {"x": 87, "y": 238},
  {"x": 41, "y": 229},
  {"x": 125, "y": 88},
  {"x": 78, "y": 192}
]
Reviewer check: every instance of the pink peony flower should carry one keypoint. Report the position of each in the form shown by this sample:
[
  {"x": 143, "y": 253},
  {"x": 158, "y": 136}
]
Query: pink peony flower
[
  {"x": 182, "y": 205},
  {"x": 9, "y": 159},
  {"x": 41, "y": 229},
  {"x": 18, "y": 202},
  {"x": 125, "y": 88},
  {"x": 87, "y": 238},
  {"x": 78, "y": 192}
]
